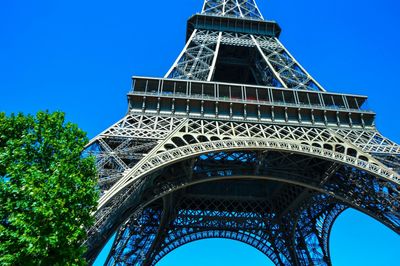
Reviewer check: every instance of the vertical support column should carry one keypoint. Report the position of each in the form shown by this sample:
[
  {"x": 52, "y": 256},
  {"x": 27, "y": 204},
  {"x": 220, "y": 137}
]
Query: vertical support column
[
  {"x": 311, "y": 230},
  {"x": 238, "y": 8},
  {"x": 138, "y": 241},
  {"x": 196, "y": 59},
  {"x": 300, "y": 66},
  {"x": 212, "y": 69},
  {"x": 135, "y": 238},
  {"x": 181, "y": 54},
  {"x": 165, "y": 223},
  {"x": 276, "y": 74}
]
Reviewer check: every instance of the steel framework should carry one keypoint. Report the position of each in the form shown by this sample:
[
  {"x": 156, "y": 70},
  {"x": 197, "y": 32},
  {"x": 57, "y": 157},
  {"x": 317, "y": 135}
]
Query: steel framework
[{"x": 238, "y": 141}]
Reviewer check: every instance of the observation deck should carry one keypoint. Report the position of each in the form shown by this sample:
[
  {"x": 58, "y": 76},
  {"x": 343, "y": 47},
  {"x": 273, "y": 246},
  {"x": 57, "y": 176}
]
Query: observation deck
[
  {"x": 232, "y": 24},
  {"x": 240, "y": 102}
]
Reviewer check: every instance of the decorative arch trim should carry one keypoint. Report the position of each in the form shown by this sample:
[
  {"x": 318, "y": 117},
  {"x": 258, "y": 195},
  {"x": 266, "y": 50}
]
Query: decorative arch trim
[
  {"x": 160, "y": 160},
  {"x": 264, "y": 247}
]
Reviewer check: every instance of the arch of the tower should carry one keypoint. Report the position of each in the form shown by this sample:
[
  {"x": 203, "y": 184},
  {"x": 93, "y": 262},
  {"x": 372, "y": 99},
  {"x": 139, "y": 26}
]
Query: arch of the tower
[
  {"x": 180, "y": 148},
  {"x": 190, "y": 217},
  {"x": 310, "y": 191},
  {"x": 273, "y": 241},
  {"x": 262, "y": 245},
  {"x": 197, "y": 219}
]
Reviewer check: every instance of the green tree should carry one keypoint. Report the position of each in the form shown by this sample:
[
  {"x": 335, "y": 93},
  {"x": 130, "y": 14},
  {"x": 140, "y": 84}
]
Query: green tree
[{"x": 47, "y": 190}]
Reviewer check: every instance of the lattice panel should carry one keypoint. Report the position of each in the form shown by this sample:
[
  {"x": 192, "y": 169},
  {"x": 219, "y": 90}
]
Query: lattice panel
[
  {"x": 237, "y": 39},
  {"x": 135, "y": 239},
  {"x": 374, "y": 196},
  {"x": 159, "y": 160},
  {"x": 124, "y": 144},
  {"x": 291, "y": 73},
  {"x": 223, "y": 129},
  {"x": 377, "y": 197},
  {"x": 115, "y": 155},
  {"x": 275, "y": 65},
  {"x": 312, "y": 229},
  {"x": 370, "y": 141},
  {"x": 196, "y": 59},
  {"x": 143, "y": 126},
  {"x": 232, "y": 8},
  {"x": 191, "y": 223}
]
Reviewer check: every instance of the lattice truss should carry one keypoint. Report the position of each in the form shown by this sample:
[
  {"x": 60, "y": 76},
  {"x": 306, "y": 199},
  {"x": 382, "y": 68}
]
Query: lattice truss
[
  {"x": 288, "y": 71},
  {"x": 124, "y": 144},
  {"x": 198, "y": 132},
  {"x": 208, "y": 135},
  {"x": 288, "y": 223},
  {"x": 372, "y": 142},
  {"x": 153, "y": 143},
  {"x": 195, "y": 60},
  {"x": 232, "y": 8},
  {"x": 273, "y": 64}
]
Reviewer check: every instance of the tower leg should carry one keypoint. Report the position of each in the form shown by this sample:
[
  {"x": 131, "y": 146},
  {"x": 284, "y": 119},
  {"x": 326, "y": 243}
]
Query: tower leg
[{"x": 311, "y": 230}]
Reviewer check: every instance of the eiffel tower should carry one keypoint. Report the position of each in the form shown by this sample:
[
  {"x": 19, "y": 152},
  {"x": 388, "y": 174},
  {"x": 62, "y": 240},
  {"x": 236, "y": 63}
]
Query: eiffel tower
[{"x": 238, "y": 141}]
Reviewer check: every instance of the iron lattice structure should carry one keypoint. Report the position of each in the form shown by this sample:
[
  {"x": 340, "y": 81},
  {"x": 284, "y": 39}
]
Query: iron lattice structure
[{"x": 238, "y": 141}]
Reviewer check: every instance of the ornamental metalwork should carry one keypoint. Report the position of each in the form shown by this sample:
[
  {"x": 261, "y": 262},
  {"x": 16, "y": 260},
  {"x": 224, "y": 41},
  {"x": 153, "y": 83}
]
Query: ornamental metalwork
[{"x": 238, "y": 141}]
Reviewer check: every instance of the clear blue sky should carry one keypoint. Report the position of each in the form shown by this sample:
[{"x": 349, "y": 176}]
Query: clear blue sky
[{"x": 78, "y": 57}]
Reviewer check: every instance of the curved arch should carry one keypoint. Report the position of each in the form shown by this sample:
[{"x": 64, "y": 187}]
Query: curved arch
[
  {"x": 214, "y": 138},
  {"x": 260, "y": 242},
  {"x": 261, "y": 235},
  {"x": 189, "y": 139},
  {"x": 221, "y": 251},
  {"x": 267, "y": 178},
  {"x": 157, "y": 161},
  {"x": 211, "y": 179},
  {"x": 301, "y": 183},
  {"x": 179, "y": 142},
  {"x": 202, "y": 138},
  {"x": 167, "y": 158},
  {"x": 253, "y": 241},
  {"x": 314, "y": 222}
]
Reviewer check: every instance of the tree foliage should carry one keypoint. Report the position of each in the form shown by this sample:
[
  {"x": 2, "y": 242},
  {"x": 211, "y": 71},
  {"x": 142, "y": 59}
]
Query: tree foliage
[{"x": 47, "y": 190}]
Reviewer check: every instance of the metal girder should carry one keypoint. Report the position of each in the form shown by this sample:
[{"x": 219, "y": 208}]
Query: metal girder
[
  {"x": 163, "y": 159},
  {"x": 284, "y": 66},
  {"x": 135, "y": 126},
  {"x": 310, "y": 220},
  {"x": 179, "y": 146},
  {"x": 191, "y": 138},
  {"x": 312, "y": 228},
  {"x": 190, "y": 223},
  {"x": 276, "y": 66},
  {"x": 196, "y": 137},
  {"x": 196, "y": 60},
  {"x": 370, "y": 141},
  {"x": 254, "y": 222},
  {"x": 234, "y": 8}
]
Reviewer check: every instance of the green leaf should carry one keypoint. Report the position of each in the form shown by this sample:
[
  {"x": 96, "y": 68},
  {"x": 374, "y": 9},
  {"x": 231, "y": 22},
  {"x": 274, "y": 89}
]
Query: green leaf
[{"x": 47, "y": 190}]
